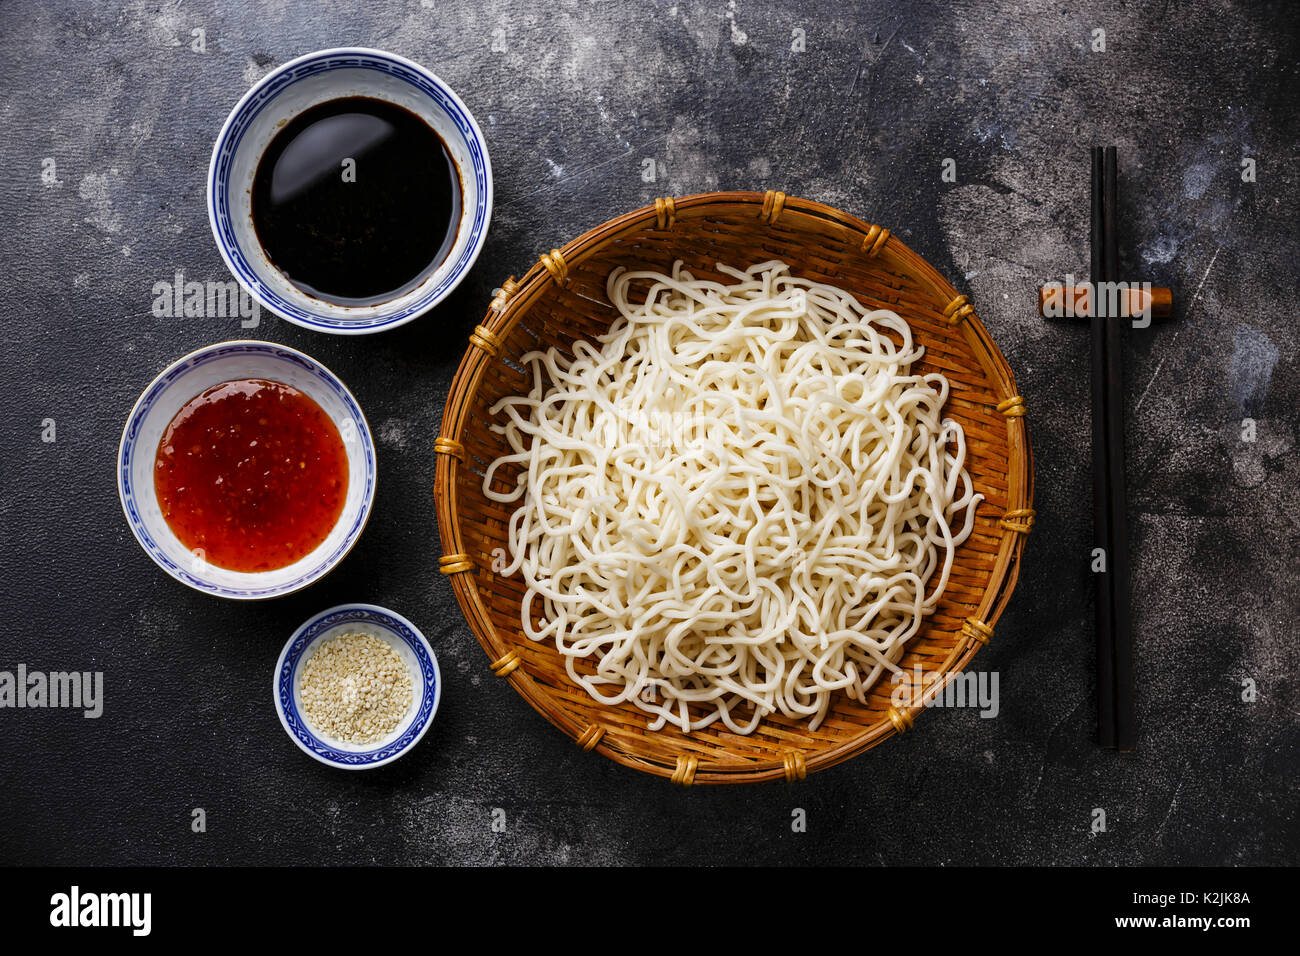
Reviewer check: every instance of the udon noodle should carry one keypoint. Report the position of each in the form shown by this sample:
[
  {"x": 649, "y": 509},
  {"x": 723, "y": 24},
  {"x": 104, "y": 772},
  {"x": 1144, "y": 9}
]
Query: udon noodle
[{"x": 737, "y": 502}]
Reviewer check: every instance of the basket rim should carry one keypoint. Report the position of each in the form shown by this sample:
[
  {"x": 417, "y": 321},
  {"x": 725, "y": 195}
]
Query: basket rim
[{"x": 508, "y": 307}]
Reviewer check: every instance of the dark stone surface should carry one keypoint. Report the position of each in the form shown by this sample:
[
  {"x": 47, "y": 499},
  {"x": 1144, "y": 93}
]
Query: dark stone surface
[{"x": 583, "y": 93}]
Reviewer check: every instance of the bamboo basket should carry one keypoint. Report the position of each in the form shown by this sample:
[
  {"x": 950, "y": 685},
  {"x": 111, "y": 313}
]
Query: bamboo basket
[{"x": 562, "y": 298}]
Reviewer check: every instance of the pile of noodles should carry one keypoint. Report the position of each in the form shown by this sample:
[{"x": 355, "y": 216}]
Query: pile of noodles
[{"x": 737, "y": 502}]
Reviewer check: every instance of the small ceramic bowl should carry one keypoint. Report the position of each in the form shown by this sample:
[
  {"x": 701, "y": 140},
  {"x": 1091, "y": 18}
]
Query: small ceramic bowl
[
  {"x": 299, "y": 85},
  {"x": 405, "y": 638},
  {"x": 159, "y": 404}
]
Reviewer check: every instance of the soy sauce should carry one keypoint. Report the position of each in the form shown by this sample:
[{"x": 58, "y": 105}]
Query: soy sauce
[{"x": 357, "y": 201}]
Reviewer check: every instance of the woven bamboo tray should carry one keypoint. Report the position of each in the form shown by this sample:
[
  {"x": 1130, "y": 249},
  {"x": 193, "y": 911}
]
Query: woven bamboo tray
[{"x": 562, "y": 298}]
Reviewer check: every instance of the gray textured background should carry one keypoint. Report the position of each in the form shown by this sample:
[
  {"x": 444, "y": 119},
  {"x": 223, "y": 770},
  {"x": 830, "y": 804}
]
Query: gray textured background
[{"x": 584, "y": 92}]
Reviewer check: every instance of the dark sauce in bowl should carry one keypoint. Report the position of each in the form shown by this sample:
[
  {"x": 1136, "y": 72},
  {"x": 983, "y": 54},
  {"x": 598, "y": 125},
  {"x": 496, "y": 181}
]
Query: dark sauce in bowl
[{"x": 357, "y": 201}]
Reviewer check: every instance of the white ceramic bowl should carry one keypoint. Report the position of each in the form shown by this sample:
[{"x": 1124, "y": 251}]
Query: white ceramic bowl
[
  {"x": 159, "y": 404},
  {"x": 405, "y": 638},
  {"x": 289, "y": 90}
]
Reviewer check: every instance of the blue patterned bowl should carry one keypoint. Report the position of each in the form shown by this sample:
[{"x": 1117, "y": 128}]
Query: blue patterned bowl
[
  {"x": 297, "y": 86},
  {"x": 180, "y": 382},
  {"x": 405, "y": 638}
]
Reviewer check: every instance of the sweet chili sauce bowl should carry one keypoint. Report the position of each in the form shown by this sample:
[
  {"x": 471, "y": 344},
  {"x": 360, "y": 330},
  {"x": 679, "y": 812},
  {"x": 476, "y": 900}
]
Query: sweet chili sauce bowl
[
  {"x": 158, "y": 405},
  {"x": 288, "y": 91}
]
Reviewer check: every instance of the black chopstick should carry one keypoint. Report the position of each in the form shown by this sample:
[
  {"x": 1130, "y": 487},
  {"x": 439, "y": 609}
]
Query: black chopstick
[
  {"x": 1101, "y": 505},
  {"x": 1117, "y": 551}
]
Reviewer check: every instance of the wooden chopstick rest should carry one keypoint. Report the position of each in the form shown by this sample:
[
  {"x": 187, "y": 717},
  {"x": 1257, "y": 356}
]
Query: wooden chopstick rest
[{"x": 1125, "y": 300}]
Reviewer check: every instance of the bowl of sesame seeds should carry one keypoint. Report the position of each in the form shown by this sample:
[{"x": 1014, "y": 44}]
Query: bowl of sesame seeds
[{"x": 357, "y": 686}]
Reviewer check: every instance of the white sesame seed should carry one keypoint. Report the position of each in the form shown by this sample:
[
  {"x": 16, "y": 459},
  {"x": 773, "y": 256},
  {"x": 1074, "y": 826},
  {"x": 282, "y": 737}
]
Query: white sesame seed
[{"x": 355, "y": 688}]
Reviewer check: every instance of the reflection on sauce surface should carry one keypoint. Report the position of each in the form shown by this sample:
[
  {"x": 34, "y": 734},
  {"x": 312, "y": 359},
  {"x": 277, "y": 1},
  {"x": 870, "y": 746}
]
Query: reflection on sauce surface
[{"x": 252, "y": 474}]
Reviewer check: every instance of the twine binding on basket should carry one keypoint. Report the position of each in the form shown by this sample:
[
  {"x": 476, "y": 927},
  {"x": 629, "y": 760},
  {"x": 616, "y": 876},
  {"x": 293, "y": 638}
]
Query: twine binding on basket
[
  {"x": 874, "y": 240},
  {"x": 502, "y": 295},
  {"x": 449, "y": 446},
  {"x": 773, "y": 203},
  {"x": 665, "y": 213},
  {"x": 554, "y": 263},
  {"x": 958, "y": 309},
  {"x": 1019, "y": 520},
  {"x": 590, "y": 737},
  {"x": 976, "y": 630},
  {"x": 901, "y": 719},
  {"x": 684, "y": 774},
  {"x": 505, "y": 666},
  {"x": 796, "y": 768},
  {"x": 484, "y": 338},
  {"x": 455, "y": 563},
  {"x": 1013, "y": 407}
]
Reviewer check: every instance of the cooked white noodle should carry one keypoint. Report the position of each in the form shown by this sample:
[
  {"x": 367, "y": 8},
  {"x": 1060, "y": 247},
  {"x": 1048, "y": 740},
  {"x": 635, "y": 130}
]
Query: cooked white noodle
[{"x": 739, "y": 498}]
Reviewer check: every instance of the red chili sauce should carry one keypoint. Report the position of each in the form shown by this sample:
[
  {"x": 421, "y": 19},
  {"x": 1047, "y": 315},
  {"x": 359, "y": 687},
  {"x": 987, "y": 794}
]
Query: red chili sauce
[{"x": 252, "y": 474}]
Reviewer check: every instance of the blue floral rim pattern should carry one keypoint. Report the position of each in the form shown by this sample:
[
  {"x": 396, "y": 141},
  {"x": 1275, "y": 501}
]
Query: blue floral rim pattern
[
  {"x": 247, "y": 112},
  {"x": 130, "y": 448},
  {"x": 292, "y": 658}
]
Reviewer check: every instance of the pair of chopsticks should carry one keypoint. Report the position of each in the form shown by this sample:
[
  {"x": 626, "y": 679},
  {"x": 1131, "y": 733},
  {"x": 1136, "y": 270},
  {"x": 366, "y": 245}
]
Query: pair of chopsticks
[{"x": 1115, "y": 705}]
